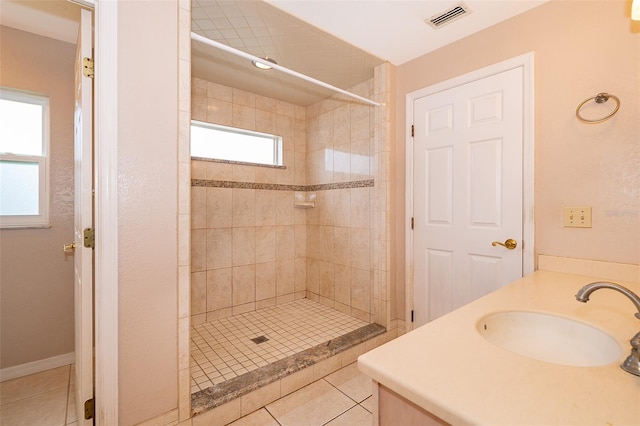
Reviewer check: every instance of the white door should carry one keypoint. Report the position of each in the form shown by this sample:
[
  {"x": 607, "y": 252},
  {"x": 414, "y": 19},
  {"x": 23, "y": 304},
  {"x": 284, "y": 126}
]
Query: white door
[
  {"x": 468, "y": 145},
  {"x": 83, "y": 257}
]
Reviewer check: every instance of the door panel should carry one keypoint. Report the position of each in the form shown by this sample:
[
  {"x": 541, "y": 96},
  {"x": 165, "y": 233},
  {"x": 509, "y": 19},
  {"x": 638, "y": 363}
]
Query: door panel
[
  {"x": 83, "y": 218},
  {"x": 468, "y": 148}
]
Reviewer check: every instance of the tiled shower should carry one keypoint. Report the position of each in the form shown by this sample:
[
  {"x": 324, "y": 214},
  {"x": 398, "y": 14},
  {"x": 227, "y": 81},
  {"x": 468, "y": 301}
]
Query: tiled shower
[{"x": 251, "y": 248}]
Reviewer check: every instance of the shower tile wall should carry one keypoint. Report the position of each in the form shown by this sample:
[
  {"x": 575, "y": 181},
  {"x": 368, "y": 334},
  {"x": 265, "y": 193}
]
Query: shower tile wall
[
  {"x": 340, "y": 149},
  {"x": 247, "y": 245},
  {"x": 250, "y": 247}
]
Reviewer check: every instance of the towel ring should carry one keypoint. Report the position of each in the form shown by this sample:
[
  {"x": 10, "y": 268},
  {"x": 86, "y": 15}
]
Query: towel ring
[{"x": 600, "y": 98}]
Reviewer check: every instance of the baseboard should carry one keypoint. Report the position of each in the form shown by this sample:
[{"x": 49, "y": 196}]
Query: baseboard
[{"x": 36, "y": 366}]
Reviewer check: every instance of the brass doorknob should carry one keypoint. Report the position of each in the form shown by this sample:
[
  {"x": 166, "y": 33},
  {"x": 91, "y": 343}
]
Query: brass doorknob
[
  {"x": 510, "y": 244},
  {"x": 69, "y": 248}
]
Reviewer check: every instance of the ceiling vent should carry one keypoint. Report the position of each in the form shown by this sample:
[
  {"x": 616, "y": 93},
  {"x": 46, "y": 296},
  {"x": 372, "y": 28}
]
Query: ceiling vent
[{"x": 448, "y": 16}]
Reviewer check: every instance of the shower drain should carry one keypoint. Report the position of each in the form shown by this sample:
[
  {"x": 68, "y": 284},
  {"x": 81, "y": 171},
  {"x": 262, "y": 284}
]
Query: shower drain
[{"x": 259, "y": 339}]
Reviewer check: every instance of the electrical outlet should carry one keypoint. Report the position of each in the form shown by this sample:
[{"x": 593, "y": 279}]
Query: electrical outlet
[{"x": 577, "y": 217}]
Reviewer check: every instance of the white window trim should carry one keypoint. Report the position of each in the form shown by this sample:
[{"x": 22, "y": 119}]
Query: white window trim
[
  {"x": 278, "y": 142},
  {"x": 40, "y": 220}
]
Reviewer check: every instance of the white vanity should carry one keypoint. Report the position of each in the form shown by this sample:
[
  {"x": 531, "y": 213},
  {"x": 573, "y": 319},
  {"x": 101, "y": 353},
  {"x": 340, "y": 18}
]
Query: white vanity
[{"x": 454, "y": 369}]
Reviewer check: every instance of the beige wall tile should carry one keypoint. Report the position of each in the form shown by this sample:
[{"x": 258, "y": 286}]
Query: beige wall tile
[
  {"x": 244, "y": 207},
  {"x": 342, "y": 284},
  {"x": 266, "y": 104},
  {"x": 360, "y": 248},
  {"x": 265, "y": 207},
  {"x": 266, "y": 122},
  {"x": 198, "y": 292},
  {"x": 244, "y": 284},
  {"x": 219, "y": 244},
  {"x": 198, "y": 249},
  {"x": 265, "y": 280},
  {"x": 300, "y": 280},
  {"x": 284, "y": 207},
  {"x": 219, "y": 208},
  {"x": 285, "y": 242},
  {"x": 219, "y": 112},
  {"x": 259, "y": 398},
  {"x": 219, "y": 289},
  {"x": 265, "y": 244},
  {"x": 296, "y": 381},
  {"x": 217, "y": 91},
  {"x": 285, "y": 274},
  {"x": 198, "y": 207},
  {"x": 242, "y": 97},
  {"x": 244, "y": 246},
  {"x": 243, "y": 117},
  {"x": 361, "y": 289}
]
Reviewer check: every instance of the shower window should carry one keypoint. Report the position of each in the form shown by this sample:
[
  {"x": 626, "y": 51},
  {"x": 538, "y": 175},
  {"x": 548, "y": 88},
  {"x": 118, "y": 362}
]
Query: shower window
[
  {"x": 24, "y": 144},
  {"x": 217, "y": 142}
]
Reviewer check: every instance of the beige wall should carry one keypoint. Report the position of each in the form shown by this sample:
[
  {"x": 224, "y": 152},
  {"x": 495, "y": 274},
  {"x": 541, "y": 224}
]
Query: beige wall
[
  {"x": 581, "y": 48},
  {"x": 36, "y": 277},
  {"x": 147, "y": 101}
]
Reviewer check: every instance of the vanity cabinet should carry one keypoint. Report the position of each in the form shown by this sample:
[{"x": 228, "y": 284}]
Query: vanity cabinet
[{"x": 393, "y": 410}]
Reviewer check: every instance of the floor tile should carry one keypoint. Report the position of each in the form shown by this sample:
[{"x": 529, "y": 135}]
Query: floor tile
[
  {"x": 222, "y": 349},
  {"x": 34, "y": 384},
  {"x": 367, "y": 404},
  {"x": 46, "y": 409},
  {"x": 357, "y": 416},
  {"x": 257, "y": 418},
  {"x": 351, "y": 382},
  {"x": 315, "y": 404},
  {"x": 72, "y": 414}
]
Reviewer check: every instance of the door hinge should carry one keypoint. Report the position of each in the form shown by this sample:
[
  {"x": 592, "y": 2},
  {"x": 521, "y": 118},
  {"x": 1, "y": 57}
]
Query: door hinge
[
  {"x": 412, "y": 315},
  {"x": 87, "y": 67},
  {"x": 412, "y": 131},
  {"x": 89, "y": 238},
  {"x": 89, "y": 408},
  {"x": 412, "y": 223}
]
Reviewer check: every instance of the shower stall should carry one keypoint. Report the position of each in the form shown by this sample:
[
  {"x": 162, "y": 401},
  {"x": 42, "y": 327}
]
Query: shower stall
[{"x": 279, "y": 286}]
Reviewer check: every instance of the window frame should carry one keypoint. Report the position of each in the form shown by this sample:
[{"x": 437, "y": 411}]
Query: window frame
[
  {"x": 41, "y": 220},
  {"x": 278, "y": 144}
]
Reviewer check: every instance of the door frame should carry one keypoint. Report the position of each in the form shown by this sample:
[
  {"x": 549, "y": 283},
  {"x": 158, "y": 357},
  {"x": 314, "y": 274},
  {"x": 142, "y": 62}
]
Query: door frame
[
  {"x": 105, "y": 130},
  {"x": 526, "y": 62}
]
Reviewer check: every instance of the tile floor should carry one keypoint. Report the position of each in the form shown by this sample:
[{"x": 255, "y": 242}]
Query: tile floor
[
  {"x": 42, "y": 399},
  {"x": 340, "y": 399},
  {"x": 223, "y": 349}
]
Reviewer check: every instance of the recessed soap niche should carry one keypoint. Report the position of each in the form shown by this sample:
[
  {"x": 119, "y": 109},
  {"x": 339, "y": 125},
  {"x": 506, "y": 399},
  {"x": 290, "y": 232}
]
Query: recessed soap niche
[{"x": 305, "y": 200}]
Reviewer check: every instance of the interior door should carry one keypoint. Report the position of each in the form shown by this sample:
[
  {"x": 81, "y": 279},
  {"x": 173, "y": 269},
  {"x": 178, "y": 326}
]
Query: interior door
[
  {"x": 83, "y": 257},
  {"x": 468, "y": 174}
]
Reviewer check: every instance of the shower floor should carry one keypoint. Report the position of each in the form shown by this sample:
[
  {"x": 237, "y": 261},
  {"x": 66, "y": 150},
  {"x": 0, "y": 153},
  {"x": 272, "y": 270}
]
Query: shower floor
[{"x": 223, "y": 350}]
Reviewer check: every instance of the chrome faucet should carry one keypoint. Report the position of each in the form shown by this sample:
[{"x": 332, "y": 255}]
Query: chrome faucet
[{"x": 632, "y": 363}]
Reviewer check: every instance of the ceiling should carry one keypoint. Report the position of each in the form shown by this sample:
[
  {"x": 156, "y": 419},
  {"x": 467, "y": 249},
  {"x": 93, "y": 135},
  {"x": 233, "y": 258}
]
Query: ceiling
[{"x": 336, "y": 41}]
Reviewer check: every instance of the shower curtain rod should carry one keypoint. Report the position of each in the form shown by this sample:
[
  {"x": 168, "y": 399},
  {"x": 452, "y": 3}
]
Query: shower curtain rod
[{"x": 280, "y": 68}]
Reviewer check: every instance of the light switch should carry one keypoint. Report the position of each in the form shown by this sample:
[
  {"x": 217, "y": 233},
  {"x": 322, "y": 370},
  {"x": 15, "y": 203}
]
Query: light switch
[{"x": 577, "y": 217}]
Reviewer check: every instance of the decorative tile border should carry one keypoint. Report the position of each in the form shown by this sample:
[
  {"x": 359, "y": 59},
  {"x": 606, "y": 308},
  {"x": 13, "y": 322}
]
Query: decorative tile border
[{"x": 280, "y": 187}]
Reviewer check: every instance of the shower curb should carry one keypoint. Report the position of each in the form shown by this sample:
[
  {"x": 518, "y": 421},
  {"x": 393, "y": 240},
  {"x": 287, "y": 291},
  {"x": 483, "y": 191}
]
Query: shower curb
[{"x": 216, "y": 395}]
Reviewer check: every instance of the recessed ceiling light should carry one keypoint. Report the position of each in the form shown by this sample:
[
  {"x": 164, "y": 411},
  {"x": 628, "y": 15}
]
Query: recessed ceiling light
[{"x": 263, "y": 65}]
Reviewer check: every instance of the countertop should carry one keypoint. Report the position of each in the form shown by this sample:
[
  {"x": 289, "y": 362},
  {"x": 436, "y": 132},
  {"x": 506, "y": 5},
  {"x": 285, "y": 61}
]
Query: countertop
[{"x": 448, "y": 369}]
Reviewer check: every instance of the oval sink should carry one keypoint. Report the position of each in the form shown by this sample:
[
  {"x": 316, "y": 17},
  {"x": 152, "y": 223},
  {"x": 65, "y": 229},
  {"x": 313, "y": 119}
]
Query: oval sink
[{"x": 550, "y": 338}]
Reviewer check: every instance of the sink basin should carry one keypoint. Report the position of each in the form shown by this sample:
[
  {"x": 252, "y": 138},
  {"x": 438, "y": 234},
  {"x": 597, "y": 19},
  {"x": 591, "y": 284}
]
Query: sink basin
[{"x": 550, "y": 338}]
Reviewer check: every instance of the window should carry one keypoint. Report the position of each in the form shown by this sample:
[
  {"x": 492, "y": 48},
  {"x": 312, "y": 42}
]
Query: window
[
  {"x": 24, "y": 145},
  {"x": 231, "y": 144}
]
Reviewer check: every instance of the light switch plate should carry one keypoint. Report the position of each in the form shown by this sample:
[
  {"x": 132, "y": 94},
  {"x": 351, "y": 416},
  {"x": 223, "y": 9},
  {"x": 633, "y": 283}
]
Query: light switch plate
[{"x": 577, "y": 217}]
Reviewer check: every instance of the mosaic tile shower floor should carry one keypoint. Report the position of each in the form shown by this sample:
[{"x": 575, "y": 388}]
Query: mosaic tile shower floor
[{"x": 223, "y": 349}]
